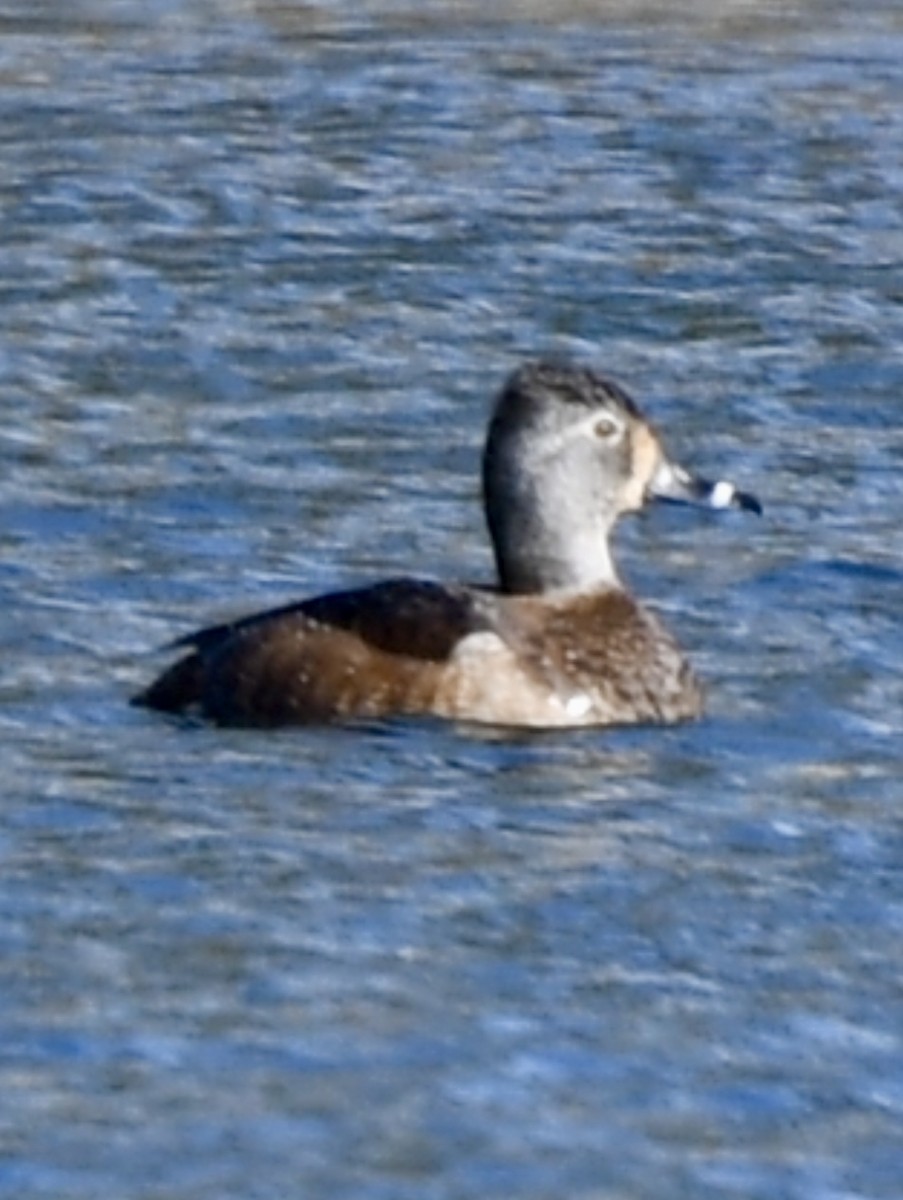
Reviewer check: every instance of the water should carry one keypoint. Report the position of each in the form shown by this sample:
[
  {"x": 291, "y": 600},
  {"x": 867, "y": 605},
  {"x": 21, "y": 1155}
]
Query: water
[{"x": 262, "y": 268}]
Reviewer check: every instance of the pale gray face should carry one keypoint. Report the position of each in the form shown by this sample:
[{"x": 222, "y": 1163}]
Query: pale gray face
[
  {"x": 569, "y": 433},
  {"x": 568, "y": 452},
  {"x": 556, "y": 413}
]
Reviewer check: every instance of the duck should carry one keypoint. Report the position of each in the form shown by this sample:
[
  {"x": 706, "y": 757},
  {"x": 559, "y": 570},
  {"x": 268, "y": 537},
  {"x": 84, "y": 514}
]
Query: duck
[{"x": 557, "y": 641}]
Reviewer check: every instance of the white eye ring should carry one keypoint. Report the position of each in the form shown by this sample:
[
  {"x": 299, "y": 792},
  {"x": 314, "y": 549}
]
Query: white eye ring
[{"x": 606, "y": 429}]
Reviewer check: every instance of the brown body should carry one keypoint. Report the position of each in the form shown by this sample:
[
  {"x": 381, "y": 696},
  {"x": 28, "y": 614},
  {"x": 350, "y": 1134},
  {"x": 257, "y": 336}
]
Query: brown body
[{"x": 407, "y": 647}]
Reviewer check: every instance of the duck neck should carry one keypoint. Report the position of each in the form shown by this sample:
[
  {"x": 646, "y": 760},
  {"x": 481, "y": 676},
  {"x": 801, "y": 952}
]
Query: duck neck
[
  {"x": 536, "y": 551},
  {"x": 549, "y": 518}
]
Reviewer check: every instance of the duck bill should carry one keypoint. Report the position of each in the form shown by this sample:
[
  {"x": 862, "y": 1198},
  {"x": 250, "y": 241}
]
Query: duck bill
[{"x": 673, "y": 483}]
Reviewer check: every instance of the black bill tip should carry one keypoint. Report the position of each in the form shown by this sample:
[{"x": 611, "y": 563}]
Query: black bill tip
[{"x": 724, "y": 495}]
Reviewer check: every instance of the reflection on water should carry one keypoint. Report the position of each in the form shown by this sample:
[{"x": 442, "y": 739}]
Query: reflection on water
[{"x": 263, "y": 267}]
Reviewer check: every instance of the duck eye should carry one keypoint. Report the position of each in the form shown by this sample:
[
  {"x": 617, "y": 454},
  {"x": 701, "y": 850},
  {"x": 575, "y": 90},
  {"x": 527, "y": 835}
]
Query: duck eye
[{"x": 606, "y": 429}]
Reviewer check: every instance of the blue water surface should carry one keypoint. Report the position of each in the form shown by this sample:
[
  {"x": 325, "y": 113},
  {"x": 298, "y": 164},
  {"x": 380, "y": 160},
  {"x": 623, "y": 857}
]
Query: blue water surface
[{"x": 263, "y": 267}]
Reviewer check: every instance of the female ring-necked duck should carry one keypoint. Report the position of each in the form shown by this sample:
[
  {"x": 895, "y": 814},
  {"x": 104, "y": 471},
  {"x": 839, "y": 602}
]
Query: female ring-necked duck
[{"x": 558, "y": 641}]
